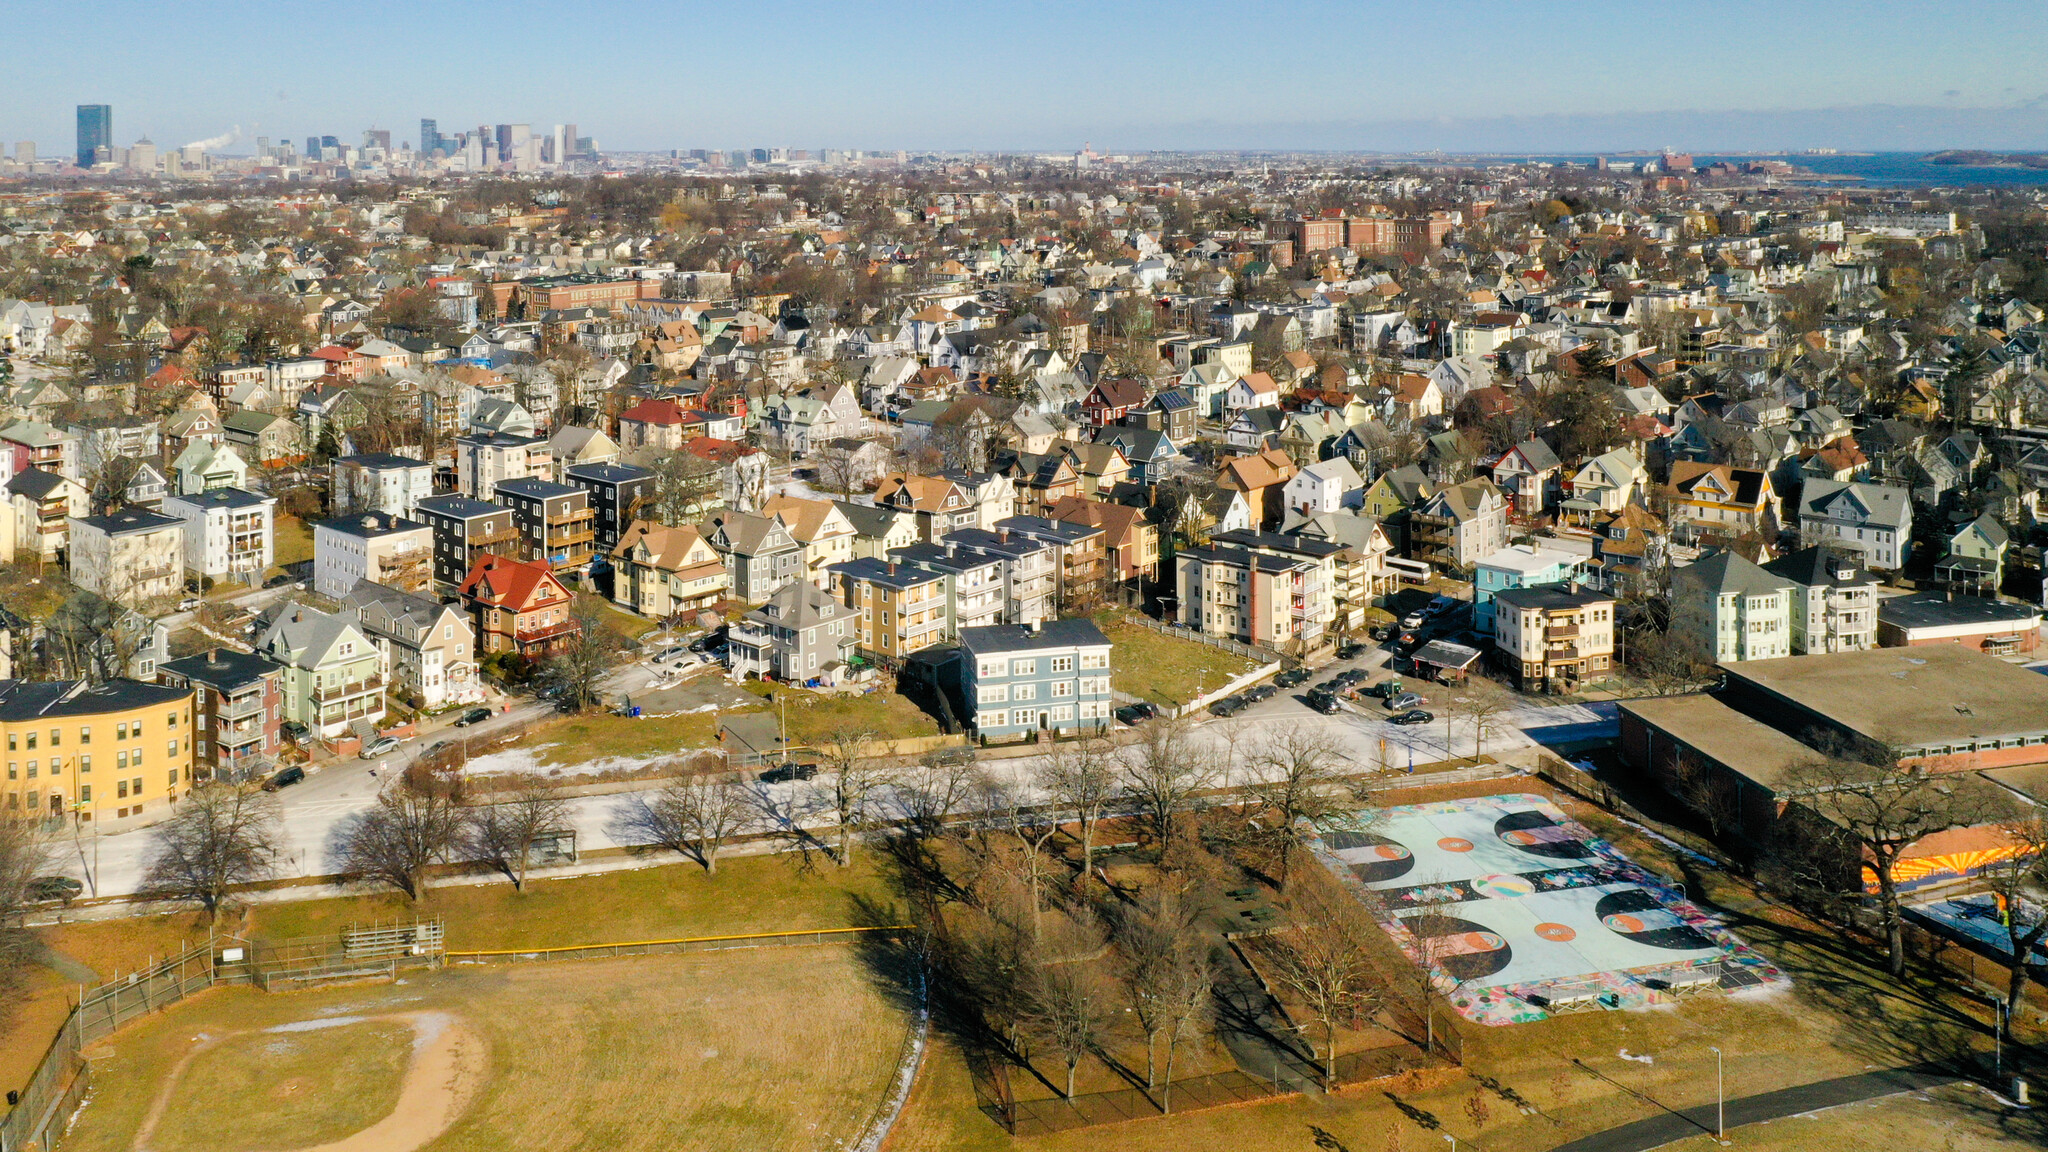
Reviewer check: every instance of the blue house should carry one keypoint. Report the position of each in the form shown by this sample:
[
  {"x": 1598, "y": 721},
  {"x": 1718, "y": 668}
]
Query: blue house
[
  {"x": 1019, "y": 679},
  {"x": 1516, "y": 566},
  {"x": 1145, "y": 449}
]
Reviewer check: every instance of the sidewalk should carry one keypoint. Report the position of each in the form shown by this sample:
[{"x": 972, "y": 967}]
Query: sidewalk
[{"x": 1670, "y": 1127}]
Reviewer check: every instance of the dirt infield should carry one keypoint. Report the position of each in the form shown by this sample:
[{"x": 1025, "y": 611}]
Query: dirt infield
[{"x": 445, "y": 1066}]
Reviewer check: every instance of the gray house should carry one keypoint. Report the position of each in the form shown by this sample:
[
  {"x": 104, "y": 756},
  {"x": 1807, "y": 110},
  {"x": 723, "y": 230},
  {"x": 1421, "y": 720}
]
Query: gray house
[
  {"x": 759, "y": 551},
  {"x": 802, "y": 633},
  {"x": 1015, "y": 680}
]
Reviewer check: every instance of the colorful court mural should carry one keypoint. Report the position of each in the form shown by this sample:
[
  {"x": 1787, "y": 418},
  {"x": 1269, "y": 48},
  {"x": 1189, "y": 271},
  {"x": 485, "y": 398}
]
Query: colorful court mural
[{"x": 1522, "y": 913}]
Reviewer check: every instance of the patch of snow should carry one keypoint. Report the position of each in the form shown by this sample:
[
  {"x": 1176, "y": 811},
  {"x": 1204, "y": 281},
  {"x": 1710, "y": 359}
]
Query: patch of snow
[{"x": 317, "y": 1025}]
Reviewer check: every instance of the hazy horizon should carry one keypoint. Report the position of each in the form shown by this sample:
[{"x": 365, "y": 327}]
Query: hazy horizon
[{"x": 1456, "y": 77}]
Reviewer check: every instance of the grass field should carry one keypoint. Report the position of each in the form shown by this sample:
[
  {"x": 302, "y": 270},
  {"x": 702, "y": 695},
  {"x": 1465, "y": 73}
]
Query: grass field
[
  {"x": 749, "y": 894},
  {"x": 576, "y": 739},
  {"x": 720, "y": 1050},
  {"x": 815, "y": 716},
  {"x": 630, "y": 626},
  {"x": 1166, "y": 669},
  {"x": 291, "y": 541},
  {"x": 290, "y": 1088}
]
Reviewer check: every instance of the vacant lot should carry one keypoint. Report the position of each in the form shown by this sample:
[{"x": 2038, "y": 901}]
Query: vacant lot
[
  {"x": 602, "y": 735},
  {"x": 1166, "y": 669},
  {"x": 724, "y": 1050},
  {"x": 630, "y": 626},
  {"x": 816, "y": 716}
]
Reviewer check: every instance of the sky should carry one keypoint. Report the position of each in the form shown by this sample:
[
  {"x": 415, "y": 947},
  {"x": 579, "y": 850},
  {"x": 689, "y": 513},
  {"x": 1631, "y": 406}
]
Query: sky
[{"x": 1051, "y": 75}]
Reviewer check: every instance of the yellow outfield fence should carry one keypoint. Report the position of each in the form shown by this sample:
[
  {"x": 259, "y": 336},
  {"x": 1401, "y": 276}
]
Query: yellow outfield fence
[{"x": 683, "y": 944}]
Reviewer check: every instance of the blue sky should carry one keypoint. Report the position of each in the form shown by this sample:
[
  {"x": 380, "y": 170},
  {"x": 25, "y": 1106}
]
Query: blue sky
[{"x": 994, "y": 74}]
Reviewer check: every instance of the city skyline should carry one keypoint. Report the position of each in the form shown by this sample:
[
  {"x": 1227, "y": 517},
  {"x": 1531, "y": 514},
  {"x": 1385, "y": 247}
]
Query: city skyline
[{"x": 1380, "y": 77}]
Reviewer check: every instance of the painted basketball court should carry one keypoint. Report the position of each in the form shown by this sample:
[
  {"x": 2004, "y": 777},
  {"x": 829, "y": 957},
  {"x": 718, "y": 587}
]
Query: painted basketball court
[{"x": 1522, "y": 912}]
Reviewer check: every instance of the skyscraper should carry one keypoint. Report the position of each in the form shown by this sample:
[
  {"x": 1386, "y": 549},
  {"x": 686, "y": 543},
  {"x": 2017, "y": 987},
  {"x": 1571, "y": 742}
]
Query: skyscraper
[
  {"x": 379, "y": 138},
  {"x": 430, "y": 136},
  {"x": 95, "y": 131}
]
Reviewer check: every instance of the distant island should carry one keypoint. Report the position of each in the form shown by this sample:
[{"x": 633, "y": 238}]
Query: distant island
[{"x": 1969, "y": 158}]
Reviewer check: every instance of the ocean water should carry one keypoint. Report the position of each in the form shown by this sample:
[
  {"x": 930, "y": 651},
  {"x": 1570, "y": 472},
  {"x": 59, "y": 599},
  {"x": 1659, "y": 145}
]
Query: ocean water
[{"x": 1879, "y": 169}]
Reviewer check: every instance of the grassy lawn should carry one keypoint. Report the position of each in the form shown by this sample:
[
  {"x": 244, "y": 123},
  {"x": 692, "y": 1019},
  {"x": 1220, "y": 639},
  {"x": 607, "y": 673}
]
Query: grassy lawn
[
  {"x": 1165, "y": 669},
  {"x": 286, "y": 1090},
  {"x": 291, "y": 541},
  {"x": 815, "y": 716},
  {"x": 29, "y": 1019},
  {"x": 721, "y": 1050},
  {"x": 749, "y": 894},
  {"x": 580, "y": 738},
  {"x": 630, "y": 626},
  {"x": 115, "y": 947}
]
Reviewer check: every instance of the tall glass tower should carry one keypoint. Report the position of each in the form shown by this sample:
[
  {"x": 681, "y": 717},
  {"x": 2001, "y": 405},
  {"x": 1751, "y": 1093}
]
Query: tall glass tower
[{"x": 95, "y": 131}]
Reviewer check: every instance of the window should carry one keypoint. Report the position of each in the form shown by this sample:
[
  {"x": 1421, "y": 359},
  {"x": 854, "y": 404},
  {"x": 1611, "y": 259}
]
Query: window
[
  {"x": 995, "y": 695},
  {"x": 85, "y": 793},
  {"x": 31, "y": 741},
  {"x": 85, "y": 763},
  {"x": 56, "y": 737},
  {"x": 31, "y": 769},
  {"x": 171, "y": 721},
  {"x": 171, "y": 748},
  {"x": 121, "y": 730},
  {"x": 1063, "y": 712},
  {"x": 121, "y": 789},
  {"x": 135, "y": 785},
  {"x": 1023, "y": 667},
  {"x": 1094, "y": 659},
  {"x": 1020, "y": 716},
  {"x": 1063, "y": 687},
  {"x": 174, "y": 779},
  {"x": 1024, "y": 692},
  {"x": 988, "y": 667},
  {"x": 1062, "y": 664}
]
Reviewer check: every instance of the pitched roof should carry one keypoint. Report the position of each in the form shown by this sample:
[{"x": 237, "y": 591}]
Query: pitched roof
[{"x": 512, "y": 583}]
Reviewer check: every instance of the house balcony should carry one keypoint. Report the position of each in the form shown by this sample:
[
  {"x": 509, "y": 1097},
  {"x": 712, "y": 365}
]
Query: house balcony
[
  {"x": 1568, "y": 654},
  {"x": 362, "y": 687},
  {"x": 494, "y": 539},
  {"x": 528, "y": 636},
  {"x": 1561, "y": 632},
  {"x": 241, "y": 707}
]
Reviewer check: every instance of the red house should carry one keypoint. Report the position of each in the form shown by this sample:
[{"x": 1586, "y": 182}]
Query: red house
[{"x": 519, "y": 606}]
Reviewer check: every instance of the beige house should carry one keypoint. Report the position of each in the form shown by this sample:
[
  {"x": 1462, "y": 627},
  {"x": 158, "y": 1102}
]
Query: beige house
[
  {"x": 664, "y": 572},
  {"x": 131, "y": 555},
  {"x": 429, "y": 647},
  {"x": 824, "y": 531},
  {"x": 1554, "y": 637}
]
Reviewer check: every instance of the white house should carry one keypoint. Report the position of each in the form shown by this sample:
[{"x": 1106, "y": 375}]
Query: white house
[
  {"x": 380, "y": 482},
  {"x": 1874, "y": 519},
  {"x": 1325, "y": 486},
  {"x": 382, "y": 549},
  {"x": 227, "y": 532},
  {"x": 130, "y": 555}
]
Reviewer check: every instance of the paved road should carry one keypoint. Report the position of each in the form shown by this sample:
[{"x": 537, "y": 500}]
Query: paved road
[
  {"x": 112, "y": 865},
  {"x": 1671, "y": 1127}
]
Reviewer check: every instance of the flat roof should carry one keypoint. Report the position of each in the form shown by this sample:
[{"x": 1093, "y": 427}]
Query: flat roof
[
  {"x": 1940, "y": 610},
  {"x": 1748, "y": 747},
  {"x": 1933, "y": 694}
]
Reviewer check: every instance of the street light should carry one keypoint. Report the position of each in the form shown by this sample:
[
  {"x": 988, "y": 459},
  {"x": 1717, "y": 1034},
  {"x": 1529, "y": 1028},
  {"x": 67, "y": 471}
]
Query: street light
[
  {"x": 1453, "y": 1141},
  {"x": 1720, "y": 1100}
]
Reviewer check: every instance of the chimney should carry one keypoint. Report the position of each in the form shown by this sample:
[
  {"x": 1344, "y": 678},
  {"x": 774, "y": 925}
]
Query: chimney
[
  {"x": 892, "y": 567},
  {"x": 1037, "y": 626},
  {"x": 213, "y": 657},
  {"x": 1003, "y": 535}
]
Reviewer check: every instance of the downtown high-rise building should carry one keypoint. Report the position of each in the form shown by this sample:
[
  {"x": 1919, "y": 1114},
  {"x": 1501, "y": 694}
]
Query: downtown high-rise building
[
  {"x": 430, "y": 136},
  {"x": 95, "y": 132}
]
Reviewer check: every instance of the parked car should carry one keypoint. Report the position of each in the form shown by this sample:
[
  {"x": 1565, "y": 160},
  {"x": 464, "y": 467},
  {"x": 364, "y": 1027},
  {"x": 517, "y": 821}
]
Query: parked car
[
  {"x": 473, "y": 716},
  {"x": 1351, "y": 676},
  {"x": 294, "y": 731},
  {"x": 1228, "y": 706},
  {"x": 379, "y": 747},
  {"x": 1332, "y": 686},
  {"x": 1413, "y": 620},
  {"x": 1292, "y": 678},
  {"x": 285, "y": 778},
  {"x": 1350, "y": 649},
  {"x": 709, "y": 642},
  {"x": 784, "y": 773},
  {"x": 1412, "y": 716},
  {"x": 672, "y": 652},
  {"x": 1385, "y": 688},
  {"x": 1261, "y": 692},
  {"x": 44, "y": 888},
  {"x": 1325, "y": 702},
  {"x": 1383, "y": 633},
  {"x": 1440, "y": 605},
  {"x": 188, "y": 603},
  {"x": 1405, "y": 700},
  {"x": 1135, "y": 714}
]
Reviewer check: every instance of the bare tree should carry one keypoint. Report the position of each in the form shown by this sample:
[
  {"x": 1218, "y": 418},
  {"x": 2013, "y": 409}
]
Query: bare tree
[
  {"x": 1699, "y": 787},
  {"x": 686, "y": 486},
  {"x": 694, "y": 814},
  {"x": 586, "y": 656},
  {"x": 1033, "y": 827},
  {"x": 1882, "y": 806},
  {"x": 1164, "y": 772},
  {"x": 842, "y": 465},
  {"x": 411, "y": 828},
  {"x": 1069, "y": 1001},
  {"x": 926, "y": 792},
  {"x": 1159, "y": 946},
  {"x": 502, "y": 834},
  {"x": 2013, "y": 880},
  {"x": 1081, "y": 780},
  {"x": 96, "y": 638},
  {"x": 1485, "y": 711},
  {"x": 24, "y": 854},
  {"x": 1298, "y": 779},
  {"x": 849, "y": 785},
  {"x": 217, "y": 837},
  {"x": 1317, "y": 958}
]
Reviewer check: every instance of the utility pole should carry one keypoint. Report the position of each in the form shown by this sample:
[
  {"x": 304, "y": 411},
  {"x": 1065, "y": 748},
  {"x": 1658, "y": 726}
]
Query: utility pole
[{"x": 1720, "y": 1101}]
